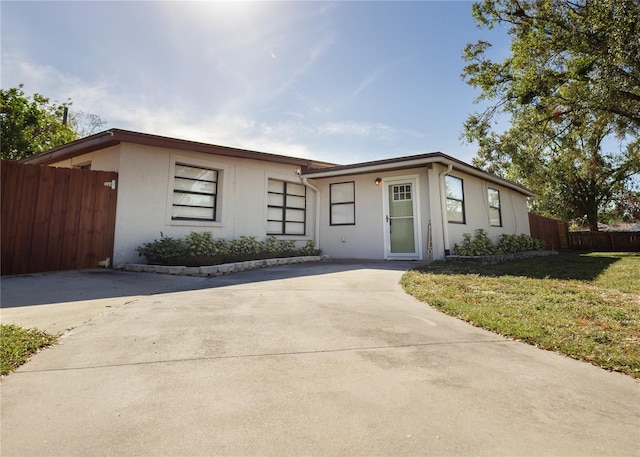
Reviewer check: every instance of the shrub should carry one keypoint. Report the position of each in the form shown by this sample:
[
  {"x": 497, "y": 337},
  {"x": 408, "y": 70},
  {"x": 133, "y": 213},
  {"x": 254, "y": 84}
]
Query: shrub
[
  {"x": 519, "y": 243},
  {"x": 201, "y": 244},
  {"x": 273, "y": 248},
  {"x": 244, "y": 248},
  {"x": 163, "y": 251},
  {"x": 508, "y": 243},
  {"x": 482, "y": 245},
  {"x": 198, "y": 249},
  {"x": 310, "y": 249}
]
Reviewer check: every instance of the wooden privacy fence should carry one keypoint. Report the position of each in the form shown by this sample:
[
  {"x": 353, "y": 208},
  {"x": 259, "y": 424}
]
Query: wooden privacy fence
[
  {"x": 604, "y": 241},
  {"x": 557, "y": 237},
  {"x": 553, "y": 232},
  {"x": 55, "y": 218}
]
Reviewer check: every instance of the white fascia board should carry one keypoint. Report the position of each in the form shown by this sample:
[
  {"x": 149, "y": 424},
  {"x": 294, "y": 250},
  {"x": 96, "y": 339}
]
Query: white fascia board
[
  {"x": 370, "y": 168},
  {"x": 457, "y": 165}
]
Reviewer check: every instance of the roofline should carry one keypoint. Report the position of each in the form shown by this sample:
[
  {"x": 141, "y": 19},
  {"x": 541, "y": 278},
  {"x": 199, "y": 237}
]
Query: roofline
[
  {"x": 309, "y": 168},
  {"x": 114, "y": 137},
  {"x": 406, "y": 162}
]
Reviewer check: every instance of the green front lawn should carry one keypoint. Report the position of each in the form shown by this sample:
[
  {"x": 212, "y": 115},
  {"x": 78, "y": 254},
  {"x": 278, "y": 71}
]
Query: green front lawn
[
  {"x": 586, "y": 306},
  {"x": 17, "y": 344}
]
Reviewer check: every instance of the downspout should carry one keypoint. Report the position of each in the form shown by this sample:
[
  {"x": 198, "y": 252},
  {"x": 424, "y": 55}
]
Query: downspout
[
  {"x": 443, "y": 209},
  {"x": 317, "y": 228}
]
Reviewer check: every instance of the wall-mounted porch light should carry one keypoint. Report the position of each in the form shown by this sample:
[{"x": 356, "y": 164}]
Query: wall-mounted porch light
[{"x": 378, "y": 182}]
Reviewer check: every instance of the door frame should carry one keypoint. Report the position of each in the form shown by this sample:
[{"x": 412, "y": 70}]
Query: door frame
[{"x": 414, "y": 180}]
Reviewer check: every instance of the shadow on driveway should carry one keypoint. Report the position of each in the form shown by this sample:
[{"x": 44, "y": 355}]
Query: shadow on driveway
[{"x": 94, "y": 284}]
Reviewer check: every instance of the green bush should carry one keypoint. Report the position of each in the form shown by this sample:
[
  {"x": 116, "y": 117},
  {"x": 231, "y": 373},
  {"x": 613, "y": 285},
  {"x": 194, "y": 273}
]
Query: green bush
[
  {"x": 309, "y": 249},
  {"x": 481, "y": 244},
  {"x": 201, "y": 244},
  {"x": 244, "y": 248},
  {"x": 519, "y": 243},
  {"x": 164, "y": 250},
  {"x": 198, "y": 249}
]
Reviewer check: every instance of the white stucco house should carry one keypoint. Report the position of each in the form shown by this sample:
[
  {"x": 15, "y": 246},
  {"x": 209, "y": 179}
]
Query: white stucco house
[{"x": 415, "y": 207}]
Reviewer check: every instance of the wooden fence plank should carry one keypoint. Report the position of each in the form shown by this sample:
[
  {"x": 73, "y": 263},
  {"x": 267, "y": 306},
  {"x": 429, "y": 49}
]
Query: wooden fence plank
[
  {"x": 605, "y": 241},
  {"x": 26, "y": 216},
  {"x": 100, "y": 217},
  {"x": 551, "y": 231},
  {"x": 42, "y": 217},
  {"x": 57, "y": 220},
  {"x": 71, "y": 223},
  {"x": 12, "y": 174},
  {"x": 86, "y": 257}
]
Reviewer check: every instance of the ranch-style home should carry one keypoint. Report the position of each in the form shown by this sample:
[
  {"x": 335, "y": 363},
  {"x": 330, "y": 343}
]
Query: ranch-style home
[{"x": 405, "y": 208}]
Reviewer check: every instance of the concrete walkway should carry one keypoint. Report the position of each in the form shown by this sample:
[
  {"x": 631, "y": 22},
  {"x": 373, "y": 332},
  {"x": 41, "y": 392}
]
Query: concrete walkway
[{"x": 311, "y": 359}]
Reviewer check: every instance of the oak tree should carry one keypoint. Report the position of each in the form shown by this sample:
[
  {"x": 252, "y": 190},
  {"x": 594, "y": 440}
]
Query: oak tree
[{"x": 570, "y": 89}]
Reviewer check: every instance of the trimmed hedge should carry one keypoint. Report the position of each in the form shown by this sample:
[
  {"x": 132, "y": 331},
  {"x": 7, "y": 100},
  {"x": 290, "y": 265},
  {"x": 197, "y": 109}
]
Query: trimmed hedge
[
  {"x": 201, "y": 249},
  {"x": 481, "y": 244}
]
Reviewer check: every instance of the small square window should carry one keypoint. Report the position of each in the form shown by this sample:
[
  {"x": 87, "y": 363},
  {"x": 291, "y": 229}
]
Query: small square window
[
  {"x": 401, "y": 192},
  {"x": 195, "y": 192}
]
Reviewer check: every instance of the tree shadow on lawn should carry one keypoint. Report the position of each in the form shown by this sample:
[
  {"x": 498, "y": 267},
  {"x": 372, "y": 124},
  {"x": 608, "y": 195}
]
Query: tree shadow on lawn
[{"x": 579, "y": 266}]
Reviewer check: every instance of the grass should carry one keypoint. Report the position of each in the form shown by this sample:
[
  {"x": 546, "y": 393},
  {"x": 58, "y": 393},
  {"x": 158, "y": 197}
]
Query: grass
[
  {"x": 586, "y": 306},
  {"x": 17, "y": 344}
]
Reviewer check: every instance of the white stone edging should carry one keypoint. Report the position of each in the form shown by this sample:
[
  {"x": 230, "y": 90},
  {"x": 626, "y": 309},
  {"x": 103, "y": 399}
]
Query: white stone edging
[{"x": 222, "y": 269}]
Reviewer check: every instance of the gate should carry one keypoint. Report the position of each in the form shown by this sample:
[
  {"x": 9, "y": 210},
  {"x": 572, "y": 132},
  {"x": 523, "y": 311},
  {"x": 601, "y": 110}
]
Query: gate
[{"x": 56, "y": 218}]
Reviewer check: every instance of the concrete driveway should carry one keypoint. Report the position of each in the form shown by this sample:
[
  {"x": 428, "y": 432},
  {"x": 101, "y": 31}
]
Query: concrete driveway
[{"x": 308, "y": 359}]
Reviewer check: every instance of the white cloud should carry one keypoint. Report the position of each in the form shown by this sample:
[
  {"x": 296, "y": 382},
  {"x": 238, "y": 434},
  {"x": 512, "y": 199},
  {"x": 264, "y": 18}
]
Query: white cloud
[
  {"x": 57, "y": 86},
  {"x": 291, "y": 136}
]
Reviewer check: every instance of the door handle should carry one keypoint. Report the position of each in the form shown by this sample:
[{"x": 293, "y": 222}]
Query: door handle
[{"x": 388, "y": 218}]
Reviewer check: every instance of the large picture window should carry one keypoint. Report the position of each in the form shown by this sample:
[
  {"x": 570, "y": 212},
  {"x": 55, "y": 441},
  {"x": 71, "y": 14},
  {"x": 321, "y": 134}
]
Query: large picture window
[
  {"x": 195, "y": 191},
  {"x": 455, "y": 199},
  {"x": 286, "y": 208},
  {"x": 495, "y": 217},
  {"x": 343, "y": 203}
]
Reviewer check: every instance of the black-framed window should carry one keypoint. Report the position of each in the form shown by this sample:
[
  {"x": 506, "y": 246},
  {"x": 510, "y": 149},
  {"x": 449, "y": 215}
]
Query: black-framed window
[
  {"x": 455, "y": 199},
  {"x": 342, "y": 202},
  {"x": 495, "y": 217},
  {"x": 195, "y": 192},
  {"x": 286, "y": 208}
]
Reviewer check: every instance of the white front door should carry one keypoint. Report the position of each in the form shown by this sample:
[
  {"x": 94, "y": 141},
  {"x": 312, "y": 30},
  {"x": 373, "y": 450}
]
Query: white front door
[{"x": 401, "y": 217}]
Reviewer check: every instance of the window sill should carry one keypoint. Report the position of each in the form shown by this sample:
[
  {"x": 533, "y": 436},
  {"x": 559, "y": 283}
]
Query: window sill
[
  {"x": 195, "y": 223},
  {"x": 290, "y": 237}
]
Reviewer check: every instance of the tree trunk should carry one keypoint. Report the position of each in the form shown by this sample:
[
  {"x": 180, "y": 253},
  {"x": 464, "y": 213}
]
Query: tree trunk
[{"x": 592, "y": 219}]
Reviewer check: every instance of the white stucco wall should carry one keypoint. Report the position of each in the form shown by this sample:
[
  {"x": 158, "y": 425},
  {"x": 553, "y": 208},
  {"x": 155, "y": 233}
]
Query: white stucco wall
[
  {"x": 365, "y": 239},
  {"x": 104, "y": 160},
  {"x": 513, "y": 208},
  {"x": 145, "y": 189}
]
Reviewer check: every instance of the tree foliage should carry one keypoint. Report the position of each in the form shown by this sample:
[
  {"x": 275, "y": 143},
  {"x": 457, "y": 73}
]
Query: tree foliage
[
  {"x": 571, "y": 89},
  {"x": 30, "y": 125}
]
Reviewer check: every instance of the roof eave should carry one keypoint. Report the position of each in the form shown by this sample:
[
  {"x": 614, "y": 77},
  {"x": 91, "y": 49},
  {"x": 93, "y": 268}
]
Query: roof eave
[
  {"x": 116, "y": 136},
  {"x": 73, "y": 149},
  {"x": 407, "y": 163}
]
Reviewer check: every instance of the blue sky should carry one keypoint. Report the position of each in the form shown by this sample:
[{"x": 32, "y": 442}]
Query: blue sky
[{"x": 342, "y": 82}]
